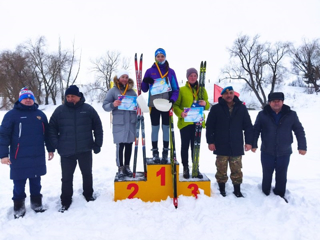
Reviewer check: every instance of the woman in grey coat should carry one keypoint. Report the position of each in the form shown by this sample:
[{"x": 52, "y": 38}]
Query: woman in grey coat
[{"x": 124, "y": 122}]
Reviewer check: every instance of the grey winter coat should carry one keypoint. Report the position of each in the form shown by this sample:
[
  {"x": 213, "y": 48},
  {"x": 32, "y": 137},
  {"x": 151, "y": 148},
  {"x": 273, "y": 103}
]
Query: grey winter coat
[{"x": 124, "y": 122}]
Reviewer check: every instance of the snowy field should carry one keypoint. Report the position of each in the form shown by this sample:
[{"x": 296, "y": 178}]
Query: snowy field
[{"x": 253, "y": 217}]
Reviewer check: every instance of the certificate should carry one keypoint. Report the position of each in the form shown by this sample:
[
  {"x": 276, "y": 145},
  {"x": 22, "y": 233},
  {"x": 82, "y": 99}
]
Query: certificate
[
  {"x": 128, "y": 103},
  {"x": 194, "y": 114},
  {"x": 159, "y": 86}
]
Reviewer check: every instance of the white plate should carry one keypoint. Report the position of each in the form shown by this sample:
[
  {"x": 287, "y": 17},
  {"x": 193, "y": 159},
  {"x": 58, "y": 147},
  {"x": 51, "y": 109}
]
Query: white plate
[
  {"x": 162, "y": 105},
  {"x": 142, "y": 104}
]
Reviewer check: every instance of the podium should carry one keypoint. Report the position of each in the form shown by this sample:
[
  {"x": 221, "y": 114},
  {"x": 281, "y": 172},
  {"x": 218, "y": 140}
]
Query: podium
[{"x": 158, "y": 185}]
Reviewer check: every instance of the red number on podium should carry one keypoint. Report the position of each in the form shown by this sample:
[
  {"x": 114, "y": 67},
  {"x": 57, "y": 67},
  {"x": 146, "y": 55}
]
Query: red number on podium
[
  {"x": 135, "y": 189},
  {"x": 162, "y": 173},
  {"x": 194, "y": 188}
]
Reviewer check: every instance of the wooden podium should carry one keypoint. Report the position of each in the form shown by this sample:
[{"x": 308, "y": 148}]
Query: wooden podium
[{"x": 158, "y": 185}]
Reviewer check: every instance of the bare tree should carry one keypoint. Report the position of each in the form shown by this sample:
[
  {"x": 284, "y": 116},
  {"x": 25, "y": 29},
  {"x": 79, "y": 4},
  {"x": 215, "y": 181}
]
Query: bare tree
[
  {"x": 106, "y": 66},
  {"x": 306, "y": 61},
  {"x": 258, "y": 64},
  {"x": 15, "y": 73}
]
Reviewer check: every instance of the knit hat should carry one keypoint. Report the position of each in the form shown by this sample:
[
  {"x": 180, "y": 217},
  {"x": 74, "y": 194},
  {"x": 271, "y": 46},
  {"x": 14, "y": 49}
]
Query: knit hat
[
  {"x": 122, "y": 72},
  {"x": 72, "y": 90},
  {"x": 191, "y": 70},
  {"x": 160, "y": 51},
  {"x": 25, "y": 93},
  {"x": 275, "y": 96},
  {"x": 226, "y": 89}
]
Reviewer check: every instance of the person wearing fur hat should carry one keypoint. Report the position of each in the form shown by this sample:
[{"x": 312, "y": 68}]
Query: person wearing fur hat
[
  {"x": 276, "y": 122},
  {"x": 123, "y": 122},
  {"x": 75, "y": 131},
  {"x": 160, "y": 70},
  {"x": 23, "y": 138},
  {"x": 188, "y": 96},
  {"x": 229, "y": 133}
]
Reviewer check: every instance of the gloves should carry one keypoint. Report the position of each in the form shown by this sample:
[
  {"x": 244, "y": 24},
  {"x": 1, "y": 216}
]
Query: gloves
[
  {"x": 171, "y": 101},
  {"x": 148, "y": 80},
  {"x": 96, "y": 149}
]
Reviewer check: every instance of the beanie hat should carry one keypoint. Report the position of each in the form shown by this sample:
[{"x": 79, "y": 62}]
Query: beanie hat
[
  {"x": 72, "y": 90},
  {"x": 160, "y": 51},
  {"x": 226, "y": 89},
  {"x": 275, "y": 96},
  {"x": 25, "y": 93},
  {"x": 122, "y": 72},
  {"x": 191, "y": 70}
]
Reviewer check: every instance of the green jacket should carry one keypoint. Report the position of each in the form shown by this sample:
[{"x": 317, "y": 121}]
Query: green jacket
[{"x": 185, "y": 100}]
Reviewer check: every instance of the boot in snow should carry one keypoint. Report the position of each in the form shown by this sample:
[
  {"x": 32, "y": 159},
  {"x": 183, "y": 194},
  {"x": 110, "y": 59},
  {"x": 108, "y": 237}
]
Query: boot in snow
[
  {"x": 36, "y": 204},
  {"x": 237, "y": 191},
  {"x": 222, "y": 189},
  {"x": 19, "y": 208}
]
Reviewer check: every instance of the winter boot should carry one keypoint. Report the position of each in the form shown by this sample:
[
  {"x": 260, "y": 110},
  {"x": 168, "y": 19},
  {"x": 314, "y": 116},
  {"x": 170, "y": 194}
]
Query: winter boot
[
  {"x": 222, "y": 189},
  {"x": 90, "y": 198},
  {"x": 280, "y": 195},
  {"x": 127, "y": 171},
  {"x": 237, "y": 191},
  {"x": 121, "y": 173},
  {"x": 36, "y": 204},
  {"x": 19, "y": 208},
  {"x": 186, "y": 174},
  {"x": 165, "y": 158},
  {"x": 155, "y": 154}
]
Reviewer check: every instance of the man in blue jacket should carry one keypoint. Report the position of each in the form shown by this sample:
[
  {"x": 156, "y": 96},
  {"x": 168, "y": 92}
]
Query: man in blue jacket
[
  {"x": 24, "y": 130},
  {"x": 276, "y": 123},
  {"x": 226, "y": 123},
  {"x": 72, "y": 127}
]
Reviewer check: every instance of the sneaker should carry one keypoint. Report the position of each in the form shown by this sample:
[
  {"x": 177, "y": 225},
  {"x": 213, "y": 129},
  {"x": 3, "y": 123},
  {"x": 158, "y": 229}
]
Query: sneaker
[
  {"x": 186, "y": 174},
  {"x": 127, "y": 171}
]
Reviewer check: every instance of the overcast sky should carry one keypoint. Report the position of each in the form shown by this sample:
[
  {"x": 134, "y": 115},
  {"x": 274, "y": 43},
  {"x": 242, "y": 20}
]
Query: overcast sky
[{"x": 189, "y": 30}]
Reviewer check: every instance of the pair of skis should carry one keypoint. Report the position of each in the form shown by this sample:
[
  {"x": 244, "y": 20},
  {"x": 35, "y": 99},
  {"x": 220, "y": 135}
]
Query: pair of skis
[
  {"x": 140, "y": 121},
  {"x": 173, "y": 159},
  {"x": 198, "y": 130}
]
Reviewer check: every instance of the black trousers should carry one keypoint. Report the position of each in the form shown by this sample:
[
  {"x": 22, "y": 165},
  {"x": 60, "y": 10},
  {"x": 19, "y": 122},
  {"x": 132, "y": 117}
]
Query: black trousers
[
  {"x": 68, "y": 166},
  {"x": 280, "y": 166},
  {"x": 187, "y": 139}
]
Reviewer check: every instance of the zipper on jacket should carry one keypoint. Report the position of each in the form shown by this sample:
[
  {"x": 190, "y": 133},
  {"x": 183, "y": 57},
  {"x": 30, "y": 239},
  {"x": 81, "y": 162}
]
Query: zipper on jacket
[{"x": 20, "y": 129}]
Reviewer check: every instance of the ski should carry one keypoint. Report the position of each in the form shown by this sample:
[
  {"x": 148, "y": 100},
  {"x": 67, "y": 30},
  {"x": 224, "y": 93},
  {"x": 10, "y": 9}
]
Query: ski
[
  {"x": 173, "y": 159},
  {"x": 140, "y": 120},
  {"x": 198, "y": 129}
]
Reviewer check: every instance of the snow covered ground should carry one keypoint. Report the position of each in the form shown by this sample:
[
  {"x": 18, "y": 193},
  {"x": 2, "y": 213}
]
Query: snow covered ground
[{"x": 253, "y": 217}]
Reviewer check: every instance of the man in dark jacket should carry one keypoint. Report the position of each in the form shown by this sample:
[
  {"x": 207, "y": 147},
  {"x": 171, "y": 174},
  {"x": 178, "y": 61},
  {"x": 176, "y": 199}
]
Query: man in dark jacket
[
  {"x": 71, "y": 127},
  {"x": 276, "y": 123},
  {"x": 24, "y": 130},
  {"x": 225, "y": 125}
]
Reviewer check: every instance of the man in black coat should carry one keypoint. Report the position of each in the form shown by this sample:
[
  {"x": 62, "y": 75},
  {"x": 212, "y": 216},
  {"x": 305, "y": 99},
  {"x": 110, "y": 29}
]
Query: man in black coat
[
  {"x": 225, "y": 125},
  {"x": 276, "y": 123},
  {"x": 71, "y": 128}
]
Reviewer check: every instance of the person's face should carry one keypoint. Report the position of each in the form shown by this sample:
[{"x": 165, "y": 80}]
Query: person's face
[
  {"x": 72, "y": 98},
  {"x": 160, "y": 57},
  {"x": 27, "y": 101},
  {"x": 124, "y": 79},
  {"x": 192, "y": 78},
  {"x": 228, "y": 96},
  {"x": 276, "y": 105}
]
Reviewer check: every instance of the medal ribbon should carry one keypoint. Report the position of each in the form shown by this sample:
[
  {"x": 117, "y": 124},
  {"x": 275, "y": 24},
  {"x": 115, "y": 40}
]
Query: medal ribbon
[
  {"x": 194, "y": 94},
  {"x": 162, "y": 76},
  {"x": 125, "y": 90}
]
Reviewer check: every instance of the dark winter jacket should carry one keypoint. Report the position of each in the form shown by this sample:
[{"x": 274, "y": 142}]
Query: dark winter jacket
[
  {"x": 226, "y": 131},
  {"x": 277, "y": 138},
  {"x": 154, "y": 73},
  {"x": 71, "y": 128},
  {"x": 24, "y": 129}
]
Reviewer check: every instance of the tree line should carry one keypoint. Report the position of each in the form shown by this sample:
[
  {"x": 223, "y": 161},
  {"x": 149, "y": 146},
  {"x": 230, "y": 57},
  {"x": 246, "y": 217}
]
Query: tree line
[{"x": 261, "y": 65}]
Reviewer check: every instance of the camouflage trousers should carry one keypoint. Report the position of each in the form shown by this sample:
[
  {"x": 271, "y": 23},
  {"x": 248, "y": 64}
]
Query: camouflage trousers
[{"x": 235, "y": 167}]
